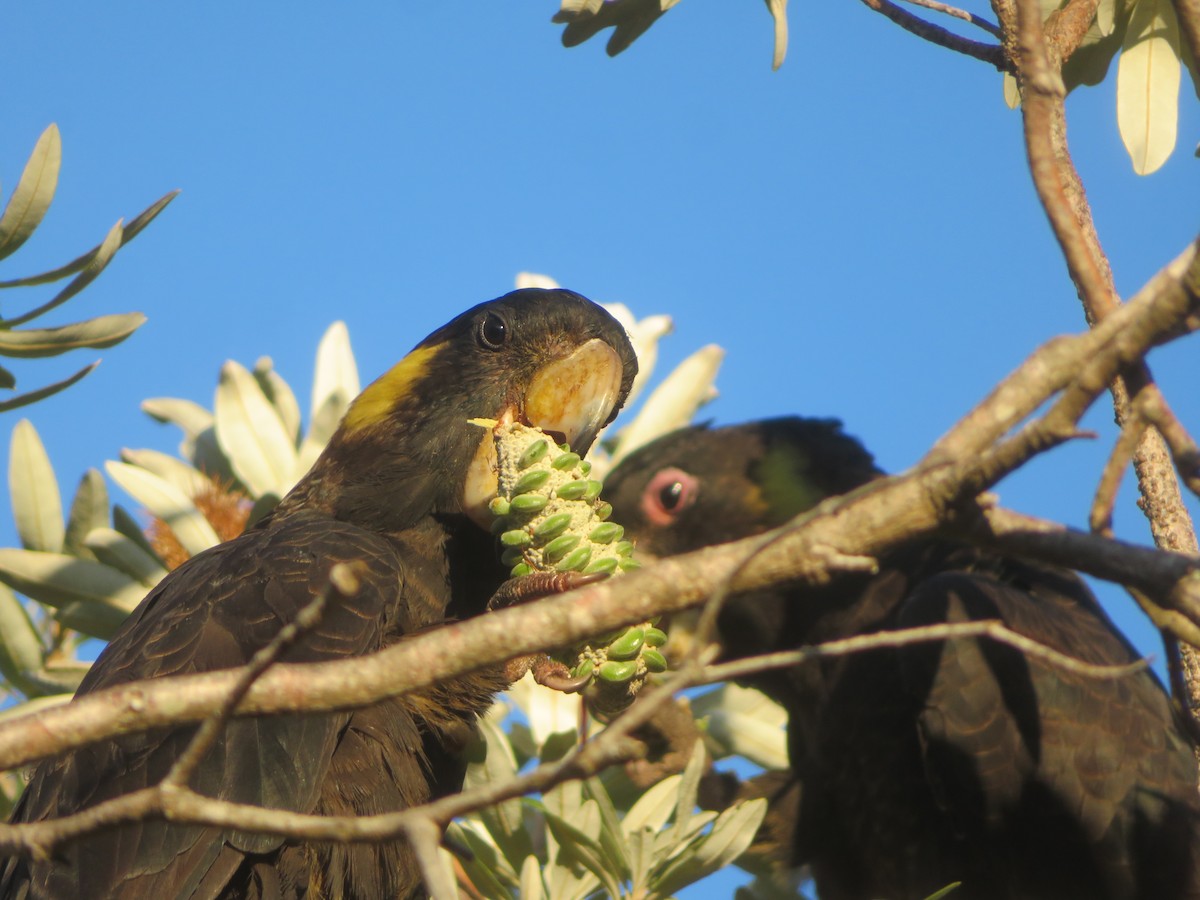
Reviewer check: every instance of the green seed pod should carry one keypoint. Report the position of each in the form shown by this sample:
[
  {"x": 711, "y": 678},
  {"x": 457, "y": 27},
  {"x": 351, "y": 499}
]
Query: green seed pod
[
  {"x": 512, "y": 556},
  {"x": 499, "y": 526},
  {"x": 552, "y": 526},
  {"x": 529, "y": 503},
  {"x": 521, "y": 568},
  {"x": 593, "y": 491},
  {"x": 655, "y": 637},
  {"x": 606, "y": 533},
  {"x": 585, "y": 468},
  {"x": 533, "y": 453},
  {"x": 518, "y": 537},
  {"x": 628, "y": 565},
  {"x": 560, "y": 547},
  {"x": 624, "y": 548},
  {"x": 605, "y": 565},
  {"x": 531, "y": 481},
  {"x": 499, "y": 506},
  {"x": 572, "y": 490},
  {"x": 628, "y": 645},
  {"x": 654, "y": 660},
  {"x": 575, "y": 560},
  {"x": 566, "y": 462},
  {"x": 603, "y": 510},
  {"x": 584, "y": 668},
  {"x": 617, "y": 672}
]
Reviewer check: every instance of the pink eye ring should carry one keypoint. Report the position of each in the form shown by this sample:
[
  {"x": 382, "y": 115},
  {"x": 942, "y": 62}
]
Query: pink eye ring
[{"x": 668, "y": 494}]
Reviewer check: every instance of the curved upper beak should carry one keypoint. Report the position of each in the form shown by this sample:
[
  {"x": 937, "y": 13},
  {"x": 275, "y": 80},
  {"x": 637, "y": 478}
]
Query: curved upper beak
[
  {"x": 574, "y": 397},
  {"x": 571, "y": 398}
]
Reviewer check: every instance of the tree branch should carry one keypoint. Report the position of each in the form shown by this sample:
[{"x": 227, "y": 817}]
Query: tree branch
[{"x": 988, "y": 53}]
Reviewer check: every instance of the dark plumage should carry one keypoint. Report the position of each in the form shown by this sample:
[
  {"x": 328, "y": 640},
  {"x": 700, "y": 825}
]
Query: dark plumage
[
  {"x": 395, "y": 489},
  {"x": 959, "y": 761}
]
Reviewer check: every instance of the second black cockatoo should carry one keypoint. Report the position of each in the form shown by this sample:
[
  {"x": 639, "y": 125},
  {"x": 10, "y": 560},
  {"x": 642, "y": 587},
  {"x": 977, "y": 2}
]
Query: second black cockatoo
[
  {"x": 916, "y": 767},
  {"x": 400, "y": 489}
]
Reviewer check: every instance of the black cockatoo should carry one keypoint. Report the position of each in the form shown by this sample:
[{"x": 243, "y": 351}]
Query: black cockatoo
[
  {"x": 400, "y": 488},
  {"x": 961, "y": 761}
]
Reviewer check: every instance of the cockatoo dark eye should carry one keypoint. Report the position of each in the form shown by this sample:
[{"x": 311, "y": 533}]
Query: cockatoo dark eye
[{"x": 493, "y": 332}]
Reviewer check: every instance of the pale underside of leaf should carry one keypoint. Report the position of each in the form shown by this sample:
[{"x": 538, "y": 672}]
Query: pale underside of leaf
[
  {"x": 1148, "y": 75},
  {"x": 36, "y": 501},
  {"x": 60, "y": 580},
  {"x": 167, "y": 502},
  {"x": 48, "y": 391},
  {"x": 252, "y": 435},
  {"x": 336, "y": 371}
]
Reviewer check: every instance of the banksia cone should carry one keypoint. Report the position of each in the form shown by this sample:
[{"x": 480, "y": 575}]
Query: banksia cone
[{"x": 550, "y": 518}]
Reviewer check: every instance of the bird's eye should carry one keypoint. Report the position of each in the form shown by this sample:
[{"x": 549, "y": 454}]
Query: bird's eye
[
  {"x": 667, "y": 495},
  {"x": 493, "y": 332}
]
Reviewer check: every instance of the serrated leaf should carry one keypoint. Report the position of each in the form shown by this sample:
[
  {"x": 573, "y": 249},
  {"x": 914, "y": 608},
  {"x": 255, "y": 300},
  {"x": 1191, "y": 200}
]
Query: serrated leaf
[
  {"x": 336, "y": 374},
  {"x": 48, "y": 391},
  {"x": 29, "y": 202},
  {"x": 731, "y": 834},
  {"x": 129, "y": 232},
  {"x": 252, "y": 435},
  {"x": 21, "y": 647},
  {"x": 189, "y": 481},
  {"x": 89, "y": 274},
  {"x": 114, "y": 549},
  {"x": 654, "y": 807},
  {"x": 97, "y": 333},
  {"x": 36, "y": 502},
  {"x": 531, "y": 887},
  {"x": 167, "y": 502},
  {"x": 279, "y": 393},
  {"x": 1148, "y": 74},
  {"x": 60, "y": 580},
  {"x": 89, "y": 509}
]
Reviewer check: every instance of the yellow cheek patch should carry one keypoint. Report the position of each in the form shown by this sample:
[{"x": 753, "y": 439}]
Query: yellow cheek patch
[{"x": 381, "y": 396}]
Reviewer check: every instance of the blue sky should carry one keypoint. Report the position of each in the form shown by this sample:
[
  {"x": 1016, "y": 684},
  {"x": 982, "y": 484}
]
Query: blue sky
[{"x": 858, "y": 229}]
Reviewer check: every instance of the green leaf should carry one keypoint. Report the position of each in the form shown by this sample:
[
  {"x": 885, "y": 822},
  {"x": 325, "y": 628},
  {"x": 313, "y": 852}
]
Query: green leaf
[
  {"x": 611, "y": 836},
  {"x": 492, "y": 761},
  {"x": 103, "y": 331},
  {"x": 252, "y": 434},
  {"x": 168, "y": 503},
  {"x": 191, "y": 417},
  {"x": 128, "y": 234},
  {"x": 89, "y": 274},
  {"x": 47, "y": 391},
  {"x": 36, "y": 503},
  {"x": 689, "y": 786},
  {"x": 89, "y": 509},
  {"x": 653, "y": 808},
  {"x": 127, "y": 525},
  {"x": 1148, "y": 75},
  {"x": 33, "y": 194},
  {"x": 60, "y": 580},
  {"x": 1106, "y": 17},
  {"x": 93, "y": 619},
  {"x": 1012, "y": 93},
  {"x": 21, "y": 649},
  {"x": 279, "y": 393},
  {"x": 320, "y": 430},
  {"x": 7, "y": 379},
  {"x": 114, "y": 549},
  {"x": 731, "y": 834}
]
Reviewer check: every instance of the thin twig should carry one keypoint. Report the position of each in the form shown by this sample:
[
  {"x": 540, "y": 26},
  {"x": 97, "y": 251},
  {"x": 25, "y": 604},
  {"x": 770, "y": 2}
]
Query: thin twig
[
  {"x": 990, "y": 27},
  {"x": 904, "y": 637},
  {"x": 988, "y": 53},
  {"x": 1100, "y": 517}
]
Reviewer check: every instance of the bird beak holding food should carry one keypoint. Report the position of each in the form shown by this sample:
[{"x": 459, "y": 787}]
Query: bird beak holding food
[{"x": 570, "y": 399}]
